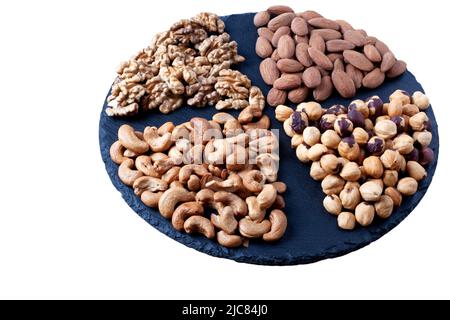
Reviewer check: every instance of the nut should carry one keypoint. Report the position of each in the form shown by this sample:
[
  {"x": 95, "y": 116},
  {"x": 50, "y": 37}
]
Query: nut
[
  {"x": 332, "y": 204},
  {"x": 312, "y": 109},
  {"x": 184, "y": 211},
  {"x": 317, "y": 172},
  {"x": 371, "y": 190},
  {"x": 373, "y": 167},
  {"x": 151, "y": 199},
  {"x": 403, "y": 143},
  {"x": 346, "y": 220},
  {"x": 330, "y": 139},
  {"x": 299, "y": 121},
  {"x": 278, "y": 227},
  {"x": 253, "y": 229},
  {"x": 227, "y": 240},
  {"x": 302, "y": 153},
  {"x": 330, "y": 163},
  {"x": 332, "y": 184},
  {"x": 415, "y": 170},
  {"x": 375, "y": 146},
  {"x": 394, "y": 195},
  {"x": 283, "y": 112},
  {"x": 392, "y": 160},
  {"x": 129, "y": 140},
  {"x": 420, "y": 100},
  {"x": 361, "y": 136},
  {"x": 267, "y": 196},
  {"x": 384, "y": 207},
  {"x": 225, "y": 220},
  {"x": 407, "y": 186},
  {"x": 350, "y": 196},
  {"x": 419, "y": 121},
  {"x": 390, "y": 178},
  {"x": 423, "y": 138},
  {"x": 351, "y": 171},
  {"x": 364, "y": 213},
  {"x": 170, "y": 198},
  {"x": 199, "y": 224},
  {"x": 311, "y": 136},
  {"x": 126, "y": 174},
  {"x": 349, "y": 149},
  {"x": 316, "y": 152},
  {"x": 385, "y": 129},
  {"x": 343, "y": 127}
]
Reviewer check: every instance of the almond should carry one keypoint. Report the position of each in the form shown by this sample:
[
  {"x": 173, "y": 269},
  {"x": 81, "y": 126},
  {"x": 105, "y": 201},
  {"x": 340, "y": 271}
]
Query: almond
[
  {"x": 334, "y": 56},
  {"x": 327, "y": 34},
  {"x": 298, "y": 95},
  {"x": 388, "y": 61},
  {"x": 311, "y": 77},
  {"x": 289, "y": 65},
  {"x": 397, "y": 69},
  {"x": 265, "y": 33},
  {"x": 373, "y": 79},
  {"x": 344, "y": 25},
  {"x": 358, "y": 60},
  {"x": 317, "y": 42},
  {"x": 372, "y": 53},
  {"x": 263, "y": 47},
  {"x": 276, "y": 97},
  {"x": 343, "y": 84},
  {"x": 323, "y": 23},
  {"x": 339, "y": 65},
  {"x": 299, "y": 26},
  {"x": 309, "y": 14},
  {"x": 286, "y": 47},
  {"x": 298, "y": 39},
  {"x": 381, "y": 47},
  {"x": 302, "y": 55},
  {"x": 287, "y": 81},
  {"x": 324, "y": 90},
  {"x": 276, "y": 10},
  {"x": 355, "y": 74},
  {"x": 261, "y": 18},
  {"x": 269, "y": 71},
  {"x": 320, "y": 59},
  {"x": 356, "y": 37},
  {"x": 283, "y": 19},
  {"x": 278, "y": 34},
  {"x": 275, "y": 56},
  {"x": 339, "y": 45}
]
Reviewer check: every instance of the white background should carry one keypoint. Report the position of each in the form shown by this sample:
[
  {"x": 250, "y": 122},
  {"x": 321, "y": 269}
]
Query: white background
[{"x": 65, "y": 232}]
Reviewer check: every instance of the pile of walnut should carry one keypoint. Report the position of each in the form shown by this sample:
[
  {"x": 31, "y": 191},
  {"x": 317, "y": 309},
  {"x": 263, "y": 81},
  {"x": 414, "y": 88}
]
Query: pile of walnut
[
  {"x": 191, "y": 61},
  {"x": 368, "y": 156},
  {"x": 182, "y": 170}
]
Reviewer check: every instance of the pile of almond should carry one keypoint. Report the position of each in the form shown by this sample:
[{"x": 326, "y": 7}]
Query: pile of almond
[{"x": 306, "y": 53}]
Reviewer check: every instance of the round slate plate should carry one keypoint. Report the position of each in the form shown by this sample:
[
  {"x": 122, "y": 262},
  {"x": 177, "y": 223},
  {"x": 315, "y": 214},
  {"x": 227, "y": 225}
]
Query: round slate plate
[{"x": 312, "y": 234}]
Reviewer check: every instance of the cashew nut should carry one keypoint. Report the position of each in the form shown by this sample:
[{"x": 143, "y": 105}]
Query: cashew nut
[
  {"x": 217, "y": 171},
  {"x": 130, "y": 154},
  {"x": 253, "y": 229},
  {"x": 205, "y": 197},
  {"x": 253, "y": 180},
  {"x": 232, "y": 184},
  {"x": 266, "y": 144},
  {"x": 170, "y": 198},
  {"x": 163, "y": 165},
  {"x": 149, "y": 183},
  {"x": 175, "y": 155},
  {"x": 267, "y": 196},
  {"x": 126, "y": 174},
  {"x": 171, "y": 174},
  {"x": 180, "y": 133},
  {"x": 193, "y": 183},
  {"x": 225, "y": 220},
  {"x": 237, "y": 160},
  {"x": 248, "y": 113},
  {"x": 279, "y": 203},
  {"x": 279, "y": 224},
  {"x": 129, "y": 140},
  {"x": 116, "y": 152},
  {"x": 176, "y": 183},
  {"x": 158, "y": 156},
  {"x": 268, "y": 164},
  {"x": 189, "y": 169},
  {"x": 194, "y": 155},
  {"x": 263, "y": 123},
  {"x": 280, "y": 186},
  {"x": 232, "y": 200},
  {"x": 222, "y": 117},
  {"x": 165, "y": 128},
  {"x": 199, "y": 127},
  {"x": 184, "y": 211},
  {"x": 199, "y": 224},
  {"x": 157, "y": 143},
  {"x": 232, "y": 128},
  {"x": 215, "y": 151},
  {"x": 144, "y": 164},
  {"x": 255, "y": 212},
  {"x": 151, "y": 199},
  {"x": 227, "y": 240}
]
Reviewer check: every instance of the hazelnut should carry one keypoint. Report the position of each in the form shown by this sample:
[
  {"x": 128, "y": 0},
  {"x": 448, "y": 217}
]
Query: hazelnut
[
  {"x": 413, "y": 155},
  {"x": 402, "y": 95},
  {"x": 330, "y": 139},
  {"x": 350, "y": 196},
  {"x": 299, "y": 121},
  {"x": 420, "y": 100},
  {"x": 296, "y": 140},
  {"x": 400, "y": 122},
  {"x": 336, "y": 109},
  {"x": 385, "y": 108},
  {"x": 407, "y": 186},
  {"x": 350, "y": 171},
  {"x": 395, "y": 108},
  {"x": 364, "y": 213},
  {"x": 375, "y": 146},
  {"x": 317, "y": 172},
  {"x": 316, "y": 151},
  {"x": 415, "y": 170},
  {"x": 381, "y": 118},
  {"x": 343, "y": 127},
  {"x": 391, "y": 159},
  {"x": 348, "y": 148},
  {"x": 375, "y": 105},
  {"x": 410, "y": 110},
  {"x": 426, "y": 156},
  {"x": 312, "y": 109},
  {"x": 394, "y": 195},
  {"x": 368, "y": 124},
  {"x": 356, "y": 118},
  {"x": 423, "y": 138},
  {"x": 403, "y": 144},
  {"x": 401, "y": 163},
  {"x": 332, "y": 204},
  {"x": 360, "y": 106},
  {"x": 311, "y": 135},
  {"x": 330, "y": 163},
  {"x": 302, "y": 153},
  {"x": 384, "y": 207},
  {"x": 419, "y": 122},
  {"x": 346, "y": 220},
  {"x": 332, "y": 184},
  {"x": 283, "y": 112},
  {"x": 389, "y": 144},
  {"x": 361, "y": 135},
  {"x": 371, "y": 190},
  {"x": 390, "y": 178},
  {"x": 373, "y": 167},
  {"x": 327, "y": 122},
  {"x": 385, "y": 129}
]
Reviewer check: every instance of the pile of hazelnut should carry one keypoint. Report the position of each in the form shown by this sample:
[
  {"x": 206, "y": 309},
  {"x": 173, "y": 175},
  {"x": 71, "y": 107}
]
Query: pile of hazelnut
[{"x": 368, "y": 156}]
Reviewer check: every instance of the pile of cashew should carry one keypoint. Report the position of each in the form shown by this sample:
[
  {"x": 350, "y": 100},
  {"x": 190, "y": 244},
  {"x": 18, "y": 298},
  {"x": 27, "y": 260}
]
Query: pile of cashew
[{"x": 226, "y": 165}]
